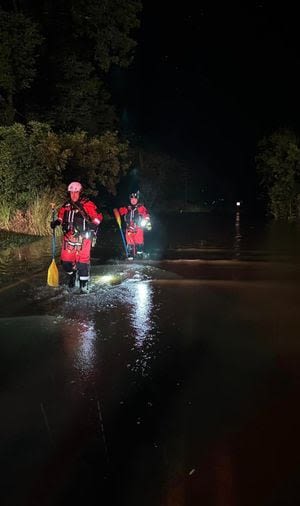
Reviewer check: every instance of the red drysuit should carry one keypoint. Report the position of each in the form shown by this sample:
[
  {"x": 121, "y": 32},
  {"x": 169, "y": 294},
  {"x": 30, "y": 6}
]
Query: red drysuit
[
  {"x": 135, "y": 218},
  {"x": 79, "y": 222}
]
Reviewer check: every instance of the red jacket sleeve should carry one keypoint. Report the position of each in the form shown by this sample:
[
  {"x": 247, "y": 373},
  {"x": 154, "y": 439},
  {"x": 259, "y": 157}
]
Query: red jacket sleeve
[
  {"x": 143, "y": 211},
  {"x": 91, "y": 209},
  {"x": 123, "y": 210},
  {"x": 60, "y": 214}
]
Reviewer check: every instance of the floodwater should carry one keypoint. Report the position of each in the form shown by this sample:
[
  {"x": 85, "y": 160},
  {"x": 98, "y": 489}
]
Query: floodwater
[{"x": 175, "y": 382}]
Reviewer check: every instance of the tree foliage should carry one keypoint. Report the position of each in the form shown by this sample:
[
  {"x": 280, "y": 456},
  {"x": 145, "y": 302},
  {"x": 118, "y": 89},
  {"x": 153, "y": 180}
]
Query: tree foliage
[
  {"x": 81, "y": 99},
  {"x": 278, "y": 166},
  {"x": 98, "y": 161},
  {"x": 19, "y": 43},
  {"x": 95, "y": 36},
  {"x": 107, "y": 25},
  {"x": 33, "y": 157},
  {"x": 158, "y": 176},
  {"x": 82, "y": 41}
]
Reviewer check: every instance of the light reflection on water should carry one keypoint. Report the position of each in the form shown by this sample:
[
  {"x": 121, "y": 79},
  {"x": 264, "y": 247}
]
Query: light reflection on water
[
  {"x": 237, "y": 236},
  {"x": 234, "y": 239},
  {"x": 141, "y": 311},
  {"x": 80, "y": 344},
  {"x": 229, "y": 357},
  {"x": 82, "y": 335},
  {"x": 143, "y": 324},
  {"x": 86, "y": 350}
]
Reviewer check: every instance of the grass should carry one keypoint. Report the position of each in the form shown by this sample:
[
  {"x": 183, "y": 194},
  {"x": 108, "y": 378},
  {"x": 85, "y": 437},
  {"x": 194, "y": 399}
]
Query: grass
[{"x": 35, "y": 220}]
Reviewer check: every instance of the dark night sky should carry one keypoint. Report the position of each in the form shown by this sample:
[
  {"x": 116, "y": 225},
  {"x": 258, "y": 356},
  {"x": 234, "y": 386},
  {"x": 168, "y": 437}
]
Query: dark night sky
[{"x": 209, "y": 80}]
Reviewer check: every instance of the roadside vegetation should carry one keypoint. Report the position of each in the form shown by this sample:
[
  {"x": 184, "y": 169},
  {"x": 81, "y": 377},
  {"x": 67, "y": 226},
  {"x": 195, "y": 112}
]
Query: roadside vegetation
[
  {"x": 35, "y": 162},
  {"x": 278, "y": 167}
]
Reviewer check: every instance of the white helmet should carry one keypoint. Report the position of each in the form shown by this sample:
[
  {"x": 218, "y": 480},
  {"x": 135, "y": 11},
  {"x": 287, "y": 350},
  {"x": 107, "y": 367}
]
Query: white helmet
[{"x": 74, "y": 187}]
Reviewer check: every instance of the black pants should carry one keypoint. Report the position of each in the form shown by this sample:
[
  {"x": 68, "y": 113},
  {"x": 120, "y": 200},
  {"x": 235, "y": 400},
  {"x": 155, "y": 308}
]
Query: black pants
[{"x": 83, "y": 269}]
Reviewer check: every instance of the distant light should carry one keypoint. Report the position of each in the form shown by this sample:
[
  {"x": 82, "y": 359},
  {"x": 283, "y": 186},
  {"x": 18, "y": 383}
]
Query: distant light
[{"x": 238, "y": 204}]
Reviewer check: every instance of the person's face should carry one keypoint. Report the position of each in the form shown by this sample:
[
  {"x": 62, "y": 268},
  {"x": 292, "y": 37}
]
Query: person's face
[
  {"x": 133, "y": 201},
  {"x": 74, "y": 196}
]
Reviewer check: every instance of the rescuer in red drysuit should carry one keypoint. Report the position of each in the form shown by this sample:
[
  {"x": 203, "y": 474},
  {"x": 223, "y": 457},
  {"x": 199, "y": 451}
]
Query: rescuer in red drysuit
[
  {"x": 136, "y": 219},
  {"x": 80, "y": 219}
]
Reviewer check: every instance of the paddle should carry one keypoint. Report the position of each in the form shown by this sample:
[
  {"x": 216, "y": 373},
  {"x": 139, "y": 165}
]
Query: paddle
[
  {"x": 118, "y": 219},
  {"x": 53, "y": 275}
]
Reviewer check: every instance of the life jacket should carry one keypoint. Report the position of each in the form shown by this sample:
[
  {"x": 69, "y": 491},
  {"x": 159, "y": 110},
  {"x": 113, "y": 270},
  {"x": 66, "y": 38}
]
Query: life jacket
[
  {"x": 135, "y": 215},
  {"x": 79, "y": 220},
  {"x": 74, "y": 218}
]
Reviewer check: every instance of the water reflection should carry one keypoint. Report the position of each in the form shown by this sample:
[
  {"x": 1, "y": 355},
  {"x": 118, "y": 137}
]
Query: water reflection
[
  {"x": 237, "y": 236},
  {"x": 80, "y": 344},
  {"x": 142, "y": 323},
  {"x": 192, "y": 236},
  {"x": 141, "y": 311},
  {"x": 21, "y": 256}
]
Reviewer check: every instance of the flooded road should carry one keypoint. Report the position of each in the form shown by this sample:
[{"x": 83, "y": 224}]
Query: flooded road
[{"x": 175, "y": 382}]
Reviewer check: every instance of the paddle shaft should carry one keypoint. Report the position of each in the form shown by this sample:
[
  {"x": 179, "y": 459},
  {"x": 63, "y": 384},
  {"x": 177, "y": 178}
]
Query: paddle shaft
[
  {"x": 53, "y": 234},
  {"x": 118, "y": 219},
  {"x": 53, "y": 275}
]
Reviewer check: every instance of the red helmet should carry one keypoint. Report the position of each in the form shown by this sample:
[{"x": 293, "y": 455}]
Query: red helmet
[{"x": 75, "y": 187}]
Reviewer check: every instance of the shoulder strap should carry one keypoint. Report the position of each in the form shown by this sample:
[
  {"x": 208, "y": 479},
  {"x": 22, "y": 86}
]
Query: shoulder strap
[{"x": 82, "y": 211}]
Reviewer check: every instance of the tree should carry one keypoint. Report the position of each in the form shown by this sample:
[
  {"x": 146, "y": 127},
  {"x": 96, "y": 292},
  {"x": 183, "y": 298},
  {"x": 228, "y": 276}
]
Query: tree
[
  {"x": 97, "y": 161},
  {"x": 107, "y": 25},
  {"x": 19, "y": 43},
  {"x": 82, "y": 41},
  {"x": 278, "y": 166},
  {"x": 96, "y": 37},
  {"x": 81, "y": 99},
  {"x": 158, "y": 176},
  {"x": 31, "y": 158}
]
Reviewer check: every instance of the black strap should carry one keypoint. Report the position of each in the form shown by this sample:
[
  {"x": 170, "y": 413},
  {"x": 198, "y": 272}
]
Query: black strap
[{"x": 82, "y": 212}]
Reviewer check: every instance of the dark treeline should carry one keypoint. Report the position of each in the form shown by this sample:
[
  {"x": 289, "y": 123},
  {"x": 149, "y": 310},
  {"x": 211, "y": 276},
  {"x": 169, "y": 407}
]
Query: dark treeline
[
  {"x": 57, "y": 118},
  {"x": 56, "y": 57}
]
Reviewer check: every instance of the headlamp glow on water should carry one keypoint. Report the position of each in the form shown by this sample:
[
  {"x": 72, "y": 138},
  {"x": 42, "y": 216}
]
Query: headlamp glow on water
[{"x": 107, "y": 278}]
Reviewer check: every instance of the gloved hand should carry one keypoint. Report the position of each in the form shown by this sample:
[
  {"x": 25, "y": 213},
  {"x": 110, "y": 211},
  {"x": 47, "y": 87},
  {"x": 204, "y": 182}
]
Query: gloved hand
[{"x": 54, "y": 223}]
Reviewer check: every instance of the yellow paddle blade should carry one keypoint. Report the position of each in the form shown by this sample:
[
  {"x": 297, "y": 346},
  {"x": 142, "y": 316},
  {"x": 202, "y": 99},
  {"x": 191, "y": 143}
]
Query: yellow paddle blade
[
  {"x": 53, "y": 275},
  {"x": 117, "y": 216}
]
